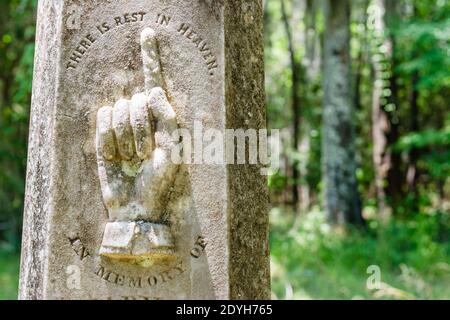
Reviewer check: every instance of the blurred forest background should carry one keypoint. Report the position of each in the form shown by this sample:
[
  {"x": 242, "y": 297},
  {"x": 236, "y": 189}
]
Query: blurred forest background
[{"x": 362, "y": 90}]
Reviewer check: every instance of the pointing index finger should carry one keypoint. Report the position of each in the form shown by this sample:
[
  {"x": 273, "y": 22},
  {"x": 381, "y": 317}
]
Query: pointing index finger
[{"x": 151, "y": 59}]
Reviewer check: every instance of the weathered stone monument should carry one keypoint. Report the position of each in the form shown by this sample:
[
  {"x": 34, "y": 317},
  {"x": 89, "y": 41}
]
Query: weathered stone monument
[{"x": 108, "y": 214}]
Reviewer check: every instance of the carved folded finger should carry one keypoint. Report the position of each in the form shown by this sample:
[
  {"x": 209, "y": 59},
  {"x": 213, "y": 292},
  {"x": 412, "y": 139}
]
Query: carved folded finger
[
  {"x": 141, "y": 123},
  {"x": 151, "y": 59},
  {"x": 162, "y": 111},
  {"x": 122, "y": 129},
  {"x": 105, "y": 133}
]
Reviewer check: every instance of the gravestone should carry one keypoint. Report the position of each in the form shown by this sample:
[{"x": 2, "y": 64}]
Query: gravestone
[{"x": 108, "y": 214}]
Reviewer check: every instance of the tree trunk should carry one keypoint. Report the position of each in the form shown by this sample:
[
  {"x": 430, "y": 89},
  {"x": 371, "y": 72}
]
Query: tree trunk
[
  {"x": 342, "y": 202},
  {"x": 312, "y": 40},
  {"x": 296, "y": 103},
  {"x": 311, "y": 67},
  {"x": 385, "y": 129},
  {"x": 380, "y": 121},
  {"x": 412, "y": 174},
  {"x": 361, "y": 59}
]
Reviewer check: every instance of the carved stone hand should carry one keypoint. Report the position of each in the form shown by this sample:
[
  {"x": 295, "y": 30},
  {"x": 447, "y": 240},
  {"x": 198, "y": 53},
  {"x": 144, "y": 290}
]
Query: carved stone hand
[{"x": 136, "y": 174}]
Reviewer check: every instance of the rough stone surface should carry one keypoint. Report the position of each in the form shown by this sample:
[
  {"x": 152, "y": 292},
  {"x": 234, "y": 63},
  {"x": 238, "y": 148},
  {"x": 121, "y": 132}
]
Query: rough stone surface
[
  {"x": 88, "y": 56},
  {"x": 38, "y": 201},
  {"x": 245, "y": 100}
]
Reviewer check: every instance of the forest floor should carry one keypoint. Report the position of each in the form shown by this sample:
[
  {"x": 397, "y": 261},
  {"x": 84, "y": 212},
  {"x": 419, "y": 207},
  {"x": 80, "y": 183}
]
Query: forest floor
[
  {"x": 9, "y": 274},
  {"x": 410, "y": 259},
  {"x": 310, "y": 260}
]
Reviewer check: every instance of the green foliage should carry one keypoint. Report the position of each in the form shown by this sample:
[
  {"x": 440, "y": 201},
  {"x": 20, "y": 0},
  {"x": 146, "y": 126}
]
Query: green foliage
[
  {"x": 16, "y": 59},
  {"x": 9, "y": 274},
  {"x": 428, "y": 138},
  {"x": 435, "y": 155},
  {"x": 425, "y": 45},
  {"x": 314, "y": 261}
]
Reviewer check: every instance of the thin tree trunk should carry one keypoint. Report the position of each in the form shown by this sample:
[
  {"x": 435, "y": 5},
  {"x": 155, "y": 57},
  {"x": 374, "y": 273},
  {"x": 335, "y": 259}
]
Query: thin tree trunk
[
  {"x": 395, "y": 174},
  {"x": 312, "y": 40},
  {"x": 358, "y": 80},
  {"x": 412, "y": 174},
  {"x": 296, "y": 102},
  {"x": 414, "y": 115},
  {"x": 361, "y": 59},
  {"x": 380, "y": 121},
  {"x": 342, "y": 202},
  {"x": 311, "y": 63},
  {"x": 384, "y": 103}
]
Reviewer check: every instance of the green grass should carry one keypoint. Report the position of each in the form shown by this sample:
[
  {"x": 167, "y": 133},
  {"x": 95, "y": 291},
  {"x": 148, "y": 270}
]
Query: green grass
[
  {"x": 313, "y": 261},
  {"x": 9, "y": 274}
]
